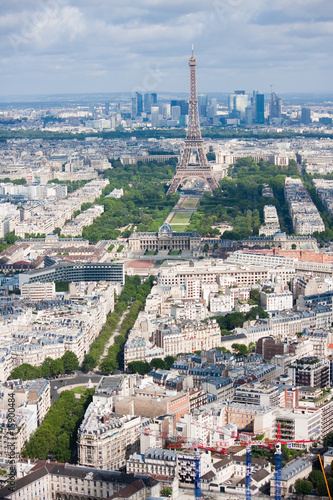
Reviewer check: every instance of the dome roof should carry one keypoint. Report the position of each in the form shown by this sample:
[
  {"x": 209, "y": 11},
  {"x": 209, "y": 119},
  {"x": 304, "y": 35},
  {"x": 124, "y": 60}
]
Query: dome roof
[{"x": 165, "y": 228}]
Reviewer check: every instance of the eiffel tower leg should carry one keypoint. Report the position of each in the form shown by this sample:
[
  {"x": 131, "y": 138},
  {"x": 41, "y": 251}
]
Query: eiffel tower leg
[
  {"x": 175, "y": 183},
  {"x": 185, "y": 159},
  {"x": 212, "y": 183}
]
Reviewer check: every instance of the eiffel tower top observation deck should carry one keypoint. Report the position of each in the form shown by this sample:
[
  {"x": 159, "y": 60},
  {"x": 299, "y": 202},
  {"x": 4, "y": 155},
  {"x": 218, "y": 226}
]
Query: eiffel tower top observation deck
[{"x": 193, "y": 143}]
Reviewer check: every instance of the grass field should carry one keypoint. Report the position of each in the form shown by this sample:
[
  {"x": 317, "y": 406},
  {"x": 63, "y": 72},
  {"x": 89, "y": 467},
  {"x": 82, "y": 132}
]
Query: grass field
[
  {"x": 190, "y": 202},
  {"x": 79, "y": 390},
  {"x": 180, "y": 218},
  {"x": 179, "y": 229}
]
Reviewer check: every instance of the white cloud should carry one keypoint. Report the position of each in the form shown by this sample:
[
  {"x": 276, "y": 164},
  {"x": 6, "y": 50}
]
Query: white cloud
[{"x": 247, "y": 43}]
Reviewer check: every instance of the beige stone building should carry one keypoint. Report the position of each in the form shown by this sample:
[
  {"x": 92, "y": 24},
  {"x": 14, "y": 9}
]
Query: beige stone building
[
  {"x": 50, "y": 481},
  {"x": 297, "y": 469},
  {"x": 34, "y": 394},
  {"x": 106, "y": 439},
  {"x": 164, "y": 239},
  {"x": 153, "y": 402}
]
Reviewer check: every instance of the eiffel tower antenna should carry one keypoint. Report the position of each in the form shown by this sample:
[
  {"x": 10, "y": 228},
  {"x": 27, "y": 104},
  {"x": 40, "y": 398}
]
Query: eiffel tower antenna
[{"x": 193, "y": 142}]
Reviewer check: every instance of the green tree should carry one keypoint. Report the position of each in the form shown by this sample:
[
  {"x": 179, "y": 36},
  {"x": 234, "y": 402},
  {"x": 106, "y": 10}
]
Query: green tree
[
  {"x": 241, "y": 348},
  {"x": 256, "y": 311},
  {"x": 166, "y": 492},
  {"x": 140, "y": 367},
  {"x": 255, "y": 296},
  {"x": 169, "y": 361},
  {"x": 62, "y": 448},
  {"x": 89, "y": 363},
  {"x": 25, "y": 372},
  {"x": 321, "y": 487},
  {"x": 108, "y": 365},
  {"x": 10, "y": 238},
  {"x": 316, "y": 477},
  {"x": 303, "y": 487},
  {"x": 70, "y": 362},
  {"x": 157, "y": 363},
  {"x": 328, "y": 440},
  {"x": 57, "y": 435},
  {"x": 57, "y": 367},
  {"x": 46, "y": 368}
]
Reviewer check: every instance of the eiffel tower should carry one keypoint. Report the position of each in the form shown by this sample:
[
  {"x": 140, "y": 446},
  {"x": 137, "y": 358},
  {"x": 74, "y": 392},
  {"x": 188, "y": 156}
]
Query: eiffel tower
[{"x": 193, "y": 143}]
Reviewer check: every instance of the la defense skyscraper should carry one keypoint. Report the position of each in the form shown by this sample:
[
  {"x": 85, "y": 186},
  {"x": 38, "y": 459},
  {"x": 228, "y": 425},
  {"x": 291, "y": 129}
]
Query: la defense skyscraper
[{"x": 193, "y": 144}]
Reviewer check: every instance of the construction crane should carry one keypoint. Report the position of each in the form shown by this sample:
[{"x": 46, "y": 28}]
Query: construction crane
[
  {"x": 248, "y": 491},
  {"x": 278, "y": 465},
  {"x": 189, "y": 443},
  {"x": 179, "y": 442},
  {"x": 278, "y": 461},
  {"x": 323, "y": 470}
]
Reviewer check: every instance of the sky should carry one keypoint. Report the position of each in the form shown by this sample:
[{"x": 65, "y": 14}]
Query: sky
[{"x": 80, "y": 46}]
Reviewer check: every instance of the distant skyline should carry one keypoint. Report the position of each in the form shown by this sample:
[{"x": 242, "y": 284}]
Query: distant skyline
[{"x": 79, "y": 46}]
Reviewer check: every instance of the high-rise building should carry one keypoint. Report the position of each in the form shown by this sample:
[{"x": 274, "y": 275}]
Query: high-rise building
[
  {"x": 259, "y": 101},
  {"x": 107, "y": 108},
  {"x": 139, "y": 104},
  {"x": 202, "y": 104},
  {"x": 182, "y": 104},
  {"x": 166, "y": 110},
  {"x": 149, "y": 100},
  {"x": 248, "y": 115},
  {"x": 133, "y": 108},
  {"x": 237, "y": 103},
  {"x": 306, "y": 116},
  {"x": 213, "y": 102},
  {"x": 155, "y": 111},
  {"x": 275, "y": 106},
  {"x": 175, "y": 112},
  {"x": 147, "y": 103},
  {"x": 325, "y": 120}
]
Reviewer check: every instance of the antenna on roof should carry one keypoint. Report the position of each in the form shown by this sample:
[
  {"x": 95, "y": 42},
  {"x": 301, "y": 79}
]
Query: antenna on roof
[{"x": 192, "y": 48}]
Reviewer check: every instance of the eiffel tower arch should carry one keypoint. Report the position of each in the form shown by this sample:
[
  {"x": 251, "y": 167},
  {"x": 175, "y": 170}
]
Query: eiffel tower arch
[{"x": 193, "y": 143}]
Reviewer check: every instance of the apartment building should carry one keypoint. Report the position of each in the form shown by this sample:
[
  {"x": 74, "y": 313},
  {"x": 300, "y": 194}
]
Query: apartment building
[
  {"x": 52, "y": 480},
  {"x": 297, "y": 469},
  {"x": 271, "y": 301},
  {"x": 221, "y": 303},
  {"x": 154, "y": 461},
  {"x": 38, "y": 291},
  {"x": 303, "y": 212},
  {"x": 33, "y": 394},
  {"x": 106, "y": 439},
  {"x": 151, "y": 403},
  {"x": 271, "y": 221},
  {"x": 188, "y": 336},
  {"x": 13, "y": 439},
  {"x": 140, "y": 349},
  {"x": 85, "y": 218},
  {"x": 257, "y": 394},
  {"x": 310, "y": 371},
  {"x": 223, "y": 273}
]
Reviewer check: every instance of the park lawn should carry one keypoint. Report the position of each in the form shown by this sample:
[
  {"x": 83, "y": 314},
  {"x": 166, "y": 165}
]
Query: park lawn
[
  {"x": 180, "y": 229},
  {"x": 180, "y": 218},
  {"x": 190, "y": 202},
  {"x": 79, "y": 390}
]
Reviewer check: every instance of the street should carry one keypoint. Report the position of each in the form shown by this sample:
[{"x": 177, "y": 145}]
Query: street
[{"x": 78, "y": 378}]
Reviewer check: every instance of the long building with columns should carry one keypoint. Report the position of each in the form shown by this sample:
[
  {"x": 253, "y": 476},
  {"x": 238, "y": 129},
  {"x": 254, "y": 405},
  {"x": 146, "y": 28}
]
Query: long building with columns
[{"x": 164, "y": 239}]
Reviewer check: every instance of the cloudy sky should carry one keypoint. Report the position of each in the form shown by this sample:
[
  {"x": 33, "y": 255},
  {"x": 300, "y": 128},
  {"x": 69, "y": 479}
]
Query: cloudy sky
[{"x": 73, "y": 46}]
